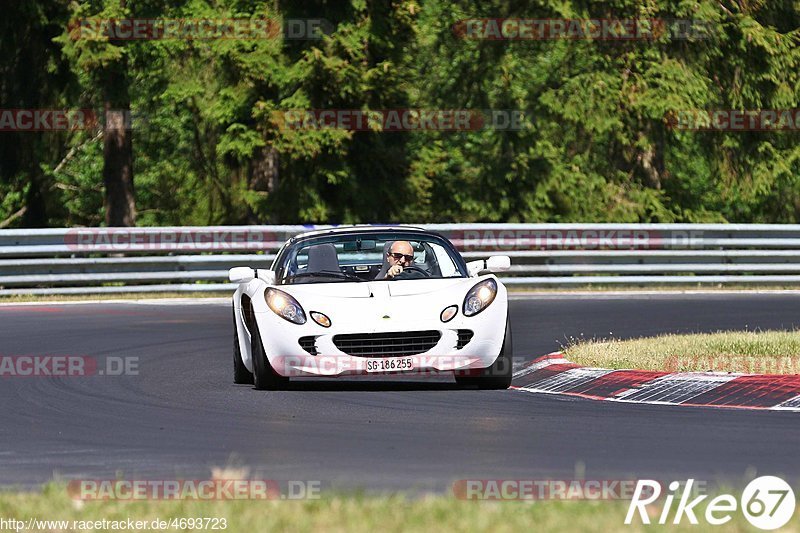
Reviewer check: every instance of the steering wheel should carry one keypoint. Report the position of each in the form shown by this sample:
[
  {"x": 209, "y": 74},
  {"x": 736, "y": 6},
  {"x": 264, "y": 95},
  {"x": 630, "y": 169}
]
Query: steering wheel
[{"x": 413, "y": 272}]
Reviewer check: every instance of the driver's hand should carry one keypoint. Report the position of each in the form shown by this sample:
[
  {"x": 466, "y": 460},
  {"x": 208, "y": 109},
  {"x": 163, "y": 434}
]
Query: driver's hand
[{"x": 394, "y": 270}]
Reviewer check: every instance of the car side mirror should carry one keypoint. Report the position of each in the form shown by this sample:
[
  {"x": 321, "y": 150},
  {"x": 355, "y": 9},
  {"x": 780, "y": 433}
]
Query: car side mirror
[
  {"x": 496, "y": 263},
  {"x": 241, "y": 274}
]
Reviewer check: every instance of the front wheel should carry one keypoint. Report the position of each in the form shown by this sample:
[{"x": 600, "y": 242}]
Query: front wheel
[
  {"x": 496, "y": 376},
  {"x": 264, "y": 376}
]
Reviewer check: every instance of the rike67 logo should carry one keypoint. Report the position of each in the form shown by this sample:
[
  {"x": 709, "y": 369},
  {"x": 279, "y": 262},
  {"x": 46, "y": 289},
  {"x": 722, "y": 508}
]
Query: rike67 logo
[{"x": 767, "y": 502}]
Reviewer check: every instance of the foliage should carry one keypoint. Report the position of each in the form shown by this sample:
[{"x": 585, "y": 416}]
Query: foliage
[{"x": 210, "y": 145}]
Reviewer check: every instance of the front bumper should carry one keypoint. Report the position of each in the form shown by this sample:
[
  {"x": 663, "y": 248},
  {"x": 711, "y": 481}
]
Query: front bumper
[{"x": 288, "y": 358}]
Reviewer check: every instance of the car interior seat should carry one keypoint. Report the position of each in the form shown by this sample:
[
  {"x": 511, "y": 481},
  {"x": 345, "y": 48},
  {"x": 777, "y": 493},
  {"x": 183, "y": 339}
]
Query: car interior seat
[
  {"x": 322, "y": 258},
  {"x": 385, "y": 266}
]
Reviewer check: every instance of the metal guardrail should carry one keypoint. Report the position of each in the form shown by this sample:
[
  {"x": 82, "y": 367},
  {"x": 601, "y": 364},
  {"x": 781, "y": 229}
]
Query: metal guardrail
[{"x": 170, "y": 259}]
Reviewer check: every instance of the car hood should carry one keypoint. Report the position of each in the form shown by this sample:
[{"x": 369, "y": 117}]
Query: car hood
[
  {"x": 425, "y": 286},
  {"x": 372, "y": 288},
  {"x": 406, "y": 302},
  {"x": 328, "y": 290}
]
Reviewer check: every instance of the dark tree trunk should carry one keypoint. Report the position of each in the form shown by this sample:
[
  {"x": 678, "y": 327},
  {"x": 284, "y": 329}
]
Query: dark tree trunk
[
  {"x": 35, "y": 216},
  {"x": 650, "y": 160},
  {"x": 119, "y": 202},
  {"x": 263, "y": 178}
]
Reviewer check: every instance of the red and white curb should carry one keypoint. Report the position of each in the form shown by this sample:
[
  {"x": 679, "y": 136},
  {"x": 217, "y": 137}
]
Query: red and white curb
[{"x": 553, "y": 374}]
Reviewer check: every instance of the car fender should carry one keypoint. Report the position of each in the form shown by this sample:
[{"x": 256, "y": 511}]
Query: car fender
[{"x": 254, "y": 290}]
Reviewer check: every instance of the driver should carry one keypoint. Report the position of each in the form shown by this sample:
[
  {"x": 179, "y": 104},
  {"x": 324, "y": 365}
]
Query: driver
[{"x": 399, "y": 256}]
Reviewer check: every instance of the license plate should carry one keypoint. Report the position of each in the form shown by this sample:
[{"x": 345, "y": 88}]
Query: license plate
[{"x": 395, "y": 364}]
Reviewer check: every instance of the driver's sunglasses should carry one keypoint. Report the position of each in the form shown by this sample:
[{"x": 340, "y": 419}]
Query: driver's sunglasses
[{"x": 399, "y": 256}]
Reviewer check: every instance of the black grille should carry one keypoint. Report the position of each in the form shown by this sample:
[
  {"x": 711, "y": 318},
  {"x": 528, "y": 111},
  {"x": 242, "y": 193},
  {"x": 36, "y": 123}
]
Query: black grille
[
  {"x": 307, "y": 343},
  {"x": 464, "y": 336},
  {"x": 387, "y": 344}
]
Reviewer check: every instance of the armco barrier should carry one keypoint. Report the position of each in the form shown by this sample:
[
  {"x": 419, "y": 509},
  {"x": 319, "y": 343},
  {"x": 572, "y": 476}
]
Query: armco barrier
[{"x": 109, "y": 260}]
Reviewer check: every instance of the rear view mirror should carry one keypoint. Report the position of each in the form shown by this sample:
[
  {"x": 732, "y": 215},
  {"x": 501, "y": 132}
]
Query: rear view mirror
[{"x": 360, "y": 246}]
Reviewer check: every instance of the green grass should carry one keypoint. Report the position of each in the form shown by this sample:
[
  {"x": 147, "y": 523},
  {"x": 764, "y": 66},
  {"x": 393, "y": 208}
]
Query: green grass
[
  {"x": 354, "y": 513},
  {"x": 757, "y": 352}
]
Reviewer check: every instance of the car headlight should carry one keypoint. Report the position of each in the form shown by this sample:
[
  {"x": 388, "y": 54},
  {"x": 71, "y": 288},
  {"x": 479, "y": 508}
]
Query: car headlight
[
  {"x": 285, "y": 306},
  {"x": 480, "y": 297}
]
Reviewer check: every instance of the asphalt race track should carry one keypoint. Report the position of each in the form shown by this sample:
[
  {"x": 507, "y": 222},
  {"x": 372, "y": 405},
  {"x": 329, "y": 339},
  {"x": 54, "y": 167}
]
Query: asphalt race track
[{"x": 182, "y": 415}]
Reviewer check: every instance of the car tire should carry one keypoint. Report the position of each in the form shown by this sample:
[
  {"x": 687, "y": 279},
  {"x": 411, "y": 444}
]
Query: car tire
[
  {"x": 241, "y": 376},
  {"x": 264, "y": 376},
  {"x": 498, "y": 375}
]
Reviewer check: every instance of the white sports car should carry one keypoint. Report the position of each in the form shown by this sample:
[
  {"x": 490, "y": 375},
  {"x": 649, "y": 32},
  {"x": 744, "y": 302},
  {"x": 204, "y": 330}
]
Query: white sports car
[{"x": 333, "y": 305}]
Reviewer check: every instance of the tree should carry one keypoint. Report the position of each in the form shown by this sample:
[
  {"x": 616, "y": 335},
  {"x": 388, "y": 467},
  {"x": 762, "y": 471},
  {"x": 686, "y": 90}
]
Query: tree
[
  {"x": 597, "y": 144},
  {"x": 103, "y": 63},
  {"x": 33, "y": 75}
]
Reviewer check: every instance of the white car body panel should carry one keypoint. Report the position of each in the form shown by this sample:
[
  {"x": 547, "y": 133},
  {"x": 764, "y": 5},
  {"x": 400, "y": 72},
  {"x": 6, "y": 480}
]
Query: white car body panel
[{"x": 410, "y": 305}]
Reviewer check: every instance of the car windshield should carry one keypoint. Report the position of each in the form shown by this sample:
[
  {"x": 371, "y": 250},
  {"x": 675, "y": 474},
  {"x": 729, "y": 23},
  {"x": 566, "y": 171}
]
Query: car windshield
[{"x": 362, "y": 257}]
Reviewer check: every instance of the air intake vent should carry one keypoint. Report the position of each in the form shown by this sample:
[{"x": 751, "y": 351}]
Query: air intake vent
[
  {"x": 308, "y": 344},
  {"x": 387, "y": 344},
  {"x": 464, "y": 336}
]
